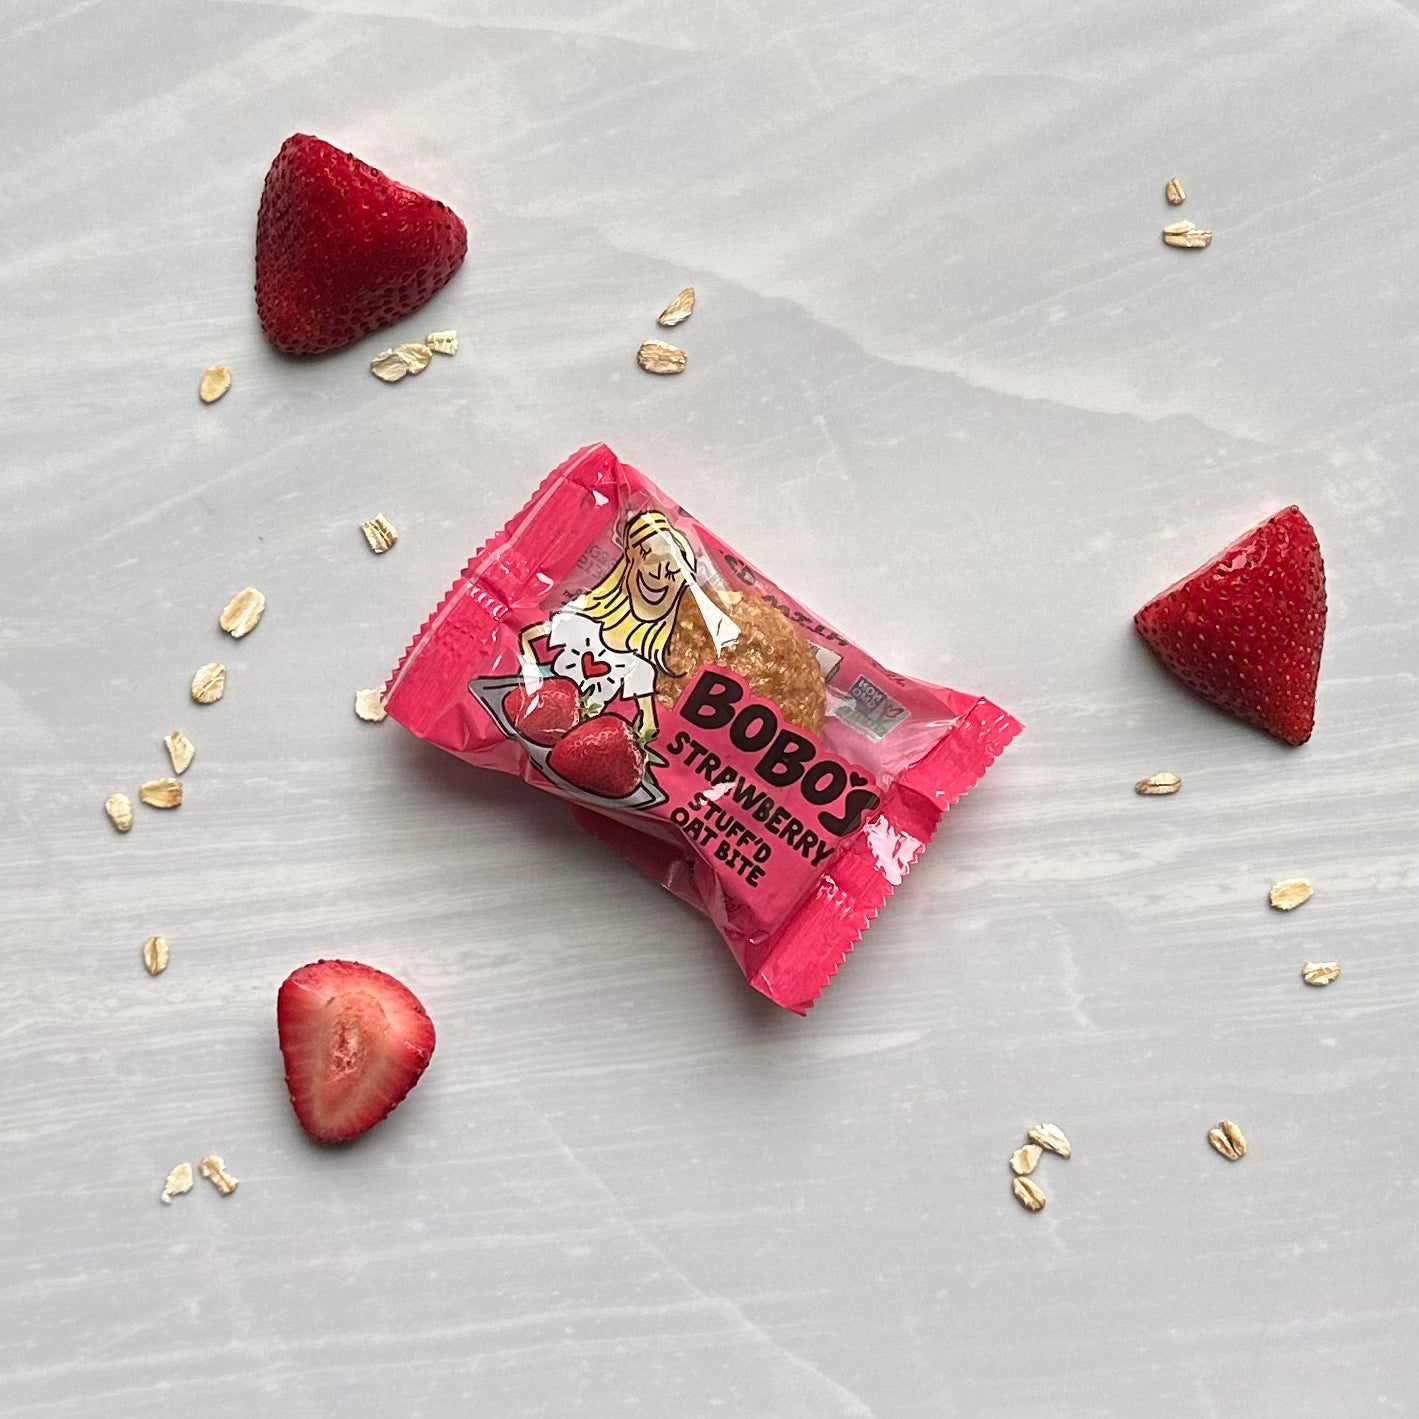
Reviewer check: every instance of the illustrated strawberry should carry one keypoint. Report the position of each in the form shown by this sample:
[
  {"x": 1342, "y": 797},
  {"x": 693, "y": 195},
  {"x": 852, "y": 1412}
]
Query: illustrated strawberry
[
  {"x": 354, "y": 1040},
  {"x": 601, "y": 756},
  {"x": 341, "y": 249},
  {"x": 1245, "y": 630},
  {"x": 546, "y": 712}
]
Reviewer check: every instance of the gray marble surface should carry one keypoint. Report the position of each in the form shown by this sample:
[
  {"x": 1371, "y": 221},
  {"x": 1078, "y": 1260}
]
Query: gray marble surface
[{"x": 945, "y": 383}]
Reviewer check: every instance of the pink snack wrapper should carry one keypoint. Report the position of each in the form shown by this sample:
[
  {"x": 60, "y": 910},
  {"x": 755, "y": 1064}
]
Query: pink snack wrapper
[{"x": 559, "y": 655}]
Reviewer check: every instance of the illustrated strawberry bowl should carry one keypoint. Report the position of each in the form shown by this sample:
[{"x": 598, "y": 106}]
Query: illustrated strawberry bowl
[{"x": 590, "y": 763}]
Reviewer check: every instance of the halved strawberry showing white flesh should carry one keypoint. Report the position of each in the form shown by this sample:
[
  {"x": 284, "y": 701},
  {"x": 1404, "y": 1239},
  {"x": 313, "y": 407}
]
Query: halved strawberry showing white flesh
[{"x": 354, "y": 1040}]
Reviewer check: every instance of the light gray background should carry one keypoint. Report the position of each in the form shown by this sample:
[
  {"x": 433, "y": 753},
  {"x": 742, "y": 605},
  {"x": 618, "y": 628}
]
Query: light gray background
[{"x": 947, "y": 384}]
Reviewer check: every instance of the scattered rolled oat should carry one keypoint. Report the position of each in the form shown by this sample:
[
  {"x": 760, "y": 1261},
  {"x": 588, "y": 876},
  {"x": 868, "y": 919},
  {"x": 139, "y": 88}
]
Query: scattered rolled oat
[
  {"x": 1320, "y": 972},
  {"x": 380, "y": 534},
  {"x": 215, "y": 1171},
  {"x": 392, "y": 365},
  {"x": 161, "y": 793},
  {"x": 178, "y": 1182},
  {"x": 1023, "y": 1160},
  {"x": 119, "y": 808},
  {"x": 1186, "y": 235},
  {"x": 180, "y": 751},
  {"x": 681, "y": 308},
  {"x": 1156, "y": 785},
  {"x": 1050, "y": 1139},
  {"x": 242, "y": 613},
  {"x": 1227, "y": 1139},
  {"x": 209, "y": 684},
  {"x": 1031, "y": 1195},
  {"x": 415, "y": 354},
  {"x": 216, "y": 380},
  {"x": 656, "y": 357},
  {"x": 442, "y": 342},
  {"x": 369, "y": 705},
  {"x": 1174, "y": 193},
  {"x": 155, "y": 955},
  {"x": 1288, "y": 895}
]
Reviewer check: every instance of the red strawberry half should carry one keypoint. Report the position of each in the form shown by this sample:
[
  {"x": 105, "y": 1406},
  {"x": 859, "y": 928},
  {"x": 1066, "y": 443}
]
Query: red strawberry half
[
  {"x": 341, "y": 249},
  {"x": 1245, "y": 630},
  {"x": 600, "y": 756},
  {"x": 546, "y": 712},
  {"x": 355, "y": 1041}
]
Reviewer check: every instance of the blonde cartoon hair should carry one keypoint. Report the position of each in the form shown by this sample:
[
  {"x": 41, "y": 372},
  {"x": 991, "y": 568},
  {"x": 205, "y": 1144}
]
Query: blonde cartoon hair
[{"x": 609, "y": 602}]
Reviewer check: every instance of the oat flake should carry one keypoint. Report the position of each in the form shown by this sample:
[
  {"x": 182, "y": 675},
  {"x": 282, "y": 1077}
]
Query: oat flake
[
  {"x": 180, "y": 751},
  {"x": 119, "y": 808},
  {"x": 442, "y": 342},
  {"x": 681, "y": 308},
  {"x": 390, "y": 366},
  {"x": 242, "y": 613},
  {"x": 1024, "y": 1160},
  {"x": 155, "y": 955},
  {"x": 216, "y": 380},
  {"x": 178, "y": 1182},
  {"x": 1030, "y": 1194},
  {"x": 1158, "y": 785},
  {"x": 380, "y": 534},
  {"x": 161, "y": 793},
  {"x": 656, "y": 357},
  {"x": 1184, "y": 234},
  {"x": 1227, "y": 1139},
  {"x": 1174, "y": 193},
  {"x": 1320, "y": 972},
  {"x": 1288, "y": 895},
  {"x": 414, "y": 354},
  {"x": 1050, "y": 1139},
  {"x": 209, "y": 684},
  {"x": 215, "y": 1171},
  {"x": 369, "y": 705}
]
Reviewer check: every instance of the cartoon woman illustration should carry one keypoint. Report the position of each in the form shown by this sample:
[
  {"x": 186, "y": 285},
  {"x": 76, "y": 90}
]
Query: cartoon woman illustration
[{"x": 612, "y": 639}]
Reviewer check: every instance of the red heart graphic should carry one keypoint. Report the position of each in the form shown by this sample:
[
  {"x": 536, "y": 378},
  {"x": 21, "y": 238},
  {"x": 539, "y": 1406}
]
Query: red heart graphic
[{"x": 592, "y": 668}]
